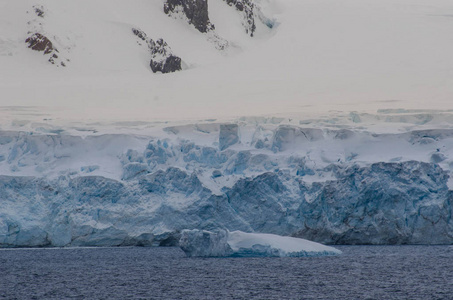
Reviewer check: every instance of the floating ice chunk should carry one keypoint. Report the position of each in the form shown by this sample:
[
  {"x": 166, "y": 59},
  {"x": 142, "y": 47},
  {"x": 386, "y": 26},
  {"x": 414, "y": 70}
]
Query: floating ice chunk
[
  {"x": 204, "y": 243},
  {"x": 221, "y": 243}
]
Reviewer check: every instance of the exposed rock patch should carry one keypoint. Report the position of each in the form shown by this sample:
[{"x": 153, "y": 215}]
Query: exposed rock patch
[
  {"x": 246, "y": 7},
  {"x": 219, "y": 42},
  {"x": 140, "y": 34},
  {"x": 39, "y": 10},
  {"x": 196, "y": 12},
  {"x": 162, "y": 58},
  {"x": 39, "y": 42}
]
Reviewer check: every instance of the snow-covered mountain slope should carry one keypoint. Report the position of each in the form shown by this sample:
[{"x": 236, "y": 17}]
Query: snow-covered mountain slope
[{"x": 319, "y": 56}]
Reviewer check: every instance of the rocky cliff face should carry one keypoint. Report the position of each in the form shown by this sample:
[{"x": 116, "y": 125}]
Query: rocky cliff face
[
  {"x": 246, "y": 7},
  {"x": 44, "y": 33},
  {"x": 162, "y": 58},
  {"x": 196, "y": 12},
  {"x": 40, "y": 41}
]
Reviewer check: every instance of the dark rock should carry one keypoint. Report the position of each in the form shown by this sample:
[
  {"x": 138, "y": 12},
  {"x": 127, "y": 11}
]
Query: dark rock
[
  {"x": 171, "y": 64},
  {"x": 162, "y": 58},
  {"x": 39, "y": 11},
  {"x": 246, "y": 7},
  {"x": 53, "y": 58},
  {"x": 196, "y": 12},
  {"x": 140, "y": 34},
  {"x": 39, "y": 42}
]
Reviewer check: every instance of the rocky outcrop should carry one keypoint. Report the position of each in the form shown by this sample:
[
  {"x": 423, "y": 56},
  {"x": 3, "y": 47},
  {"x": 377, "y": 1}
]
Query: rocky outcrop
[
  {"x": 39, "y": 42},
  {"x": 196, "y": 12},
  {"x": 246, "y": 7},
  {"x": 39, "y": 10},
  {"x": 140, "y": 34},
  {"x": 162, "y": 58}
]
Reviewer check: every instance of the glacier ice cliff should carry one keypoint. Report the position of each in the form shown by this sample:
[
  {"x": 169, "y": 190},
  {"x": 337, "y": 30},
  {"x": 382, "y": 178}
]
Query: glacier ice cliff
[{"x": 330, "y": 186}]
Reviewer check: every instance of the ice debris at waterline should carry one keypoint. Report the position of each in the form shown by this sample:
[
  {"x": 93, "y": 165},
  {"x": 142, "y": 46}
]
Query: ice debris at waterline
[{"x": 222, "y": 243}]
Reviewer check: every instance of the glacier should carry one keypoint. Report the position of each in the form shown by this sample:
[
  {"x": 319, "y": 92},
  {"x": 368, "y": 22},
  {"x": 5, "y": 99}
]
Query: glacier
[
  {"x": 275, "y": 176},
  {"x": 222, "y": 243}
]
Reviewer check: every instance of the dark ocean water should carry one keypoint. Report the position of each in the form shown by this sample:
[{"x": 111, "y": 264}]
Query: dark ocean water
[{"x": 361, "y": 272}]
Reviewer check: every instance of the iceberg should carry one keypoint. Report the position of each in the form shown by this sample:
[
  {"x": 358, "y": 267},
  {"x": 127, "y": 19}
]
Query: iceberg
[{"x": 222, "y": 243}]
